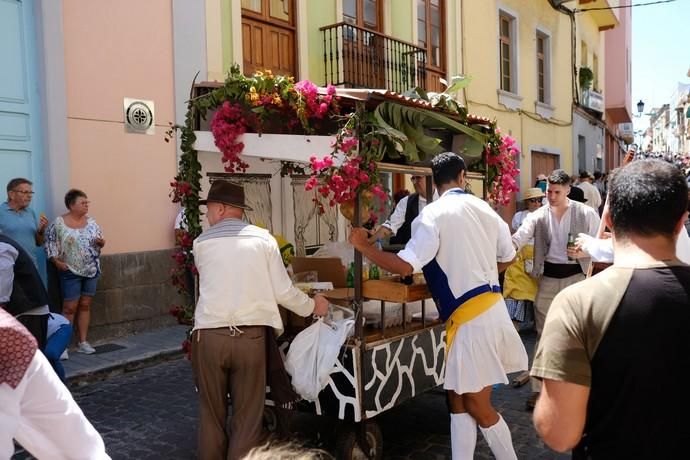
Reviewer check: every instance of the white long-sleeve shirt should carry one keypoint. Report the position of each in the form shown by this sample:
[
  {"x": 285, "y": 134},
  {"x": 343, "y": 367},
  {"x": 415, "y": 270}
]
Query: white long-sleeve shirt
[
  {"x": 397, "y": 218},
  {"x": 458, "y": 239},
  {"x": 601, "y": 250},
  {"x": 591, "y": 194},
  {"x": 242, "y": 279},
  {"x": 42, "y": 416},
  {"x": 558, "y": 231}
]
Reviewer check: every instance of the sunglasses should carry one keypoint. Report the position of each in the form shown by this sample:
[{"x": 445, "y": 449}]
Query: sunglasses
[
  {"x": 534, "y": 200},
  {"x": 416, "y": 178}
]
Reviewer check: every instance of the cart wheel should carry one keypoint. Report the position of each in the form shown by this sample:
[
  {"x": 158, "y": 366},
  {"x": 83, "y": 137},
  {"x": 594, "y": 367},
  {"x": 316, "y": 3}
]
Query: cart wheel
[
  {"x": 347, "y": 448},
  {"x": 270, "y": 419}
]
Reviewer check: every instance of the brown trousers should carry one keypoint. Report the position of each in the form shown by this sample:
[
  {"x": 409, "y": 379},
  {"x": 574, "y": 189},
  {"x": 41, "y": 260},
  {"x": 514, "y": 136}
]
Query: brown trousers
[{"x": 236, "y": 364}]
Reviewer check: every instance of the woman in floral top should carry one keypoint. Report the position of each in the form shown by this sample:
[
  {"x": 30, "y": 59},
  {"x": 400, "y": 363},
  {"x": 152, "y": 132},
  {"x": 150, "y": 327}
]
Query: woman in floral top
[{"x": 73, "y": 243}]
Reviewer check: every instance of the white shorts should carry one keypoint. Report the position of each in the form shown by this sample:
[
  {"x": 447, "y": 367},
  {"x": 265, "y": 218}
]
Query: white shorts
[{"x": 484, "y": 351}]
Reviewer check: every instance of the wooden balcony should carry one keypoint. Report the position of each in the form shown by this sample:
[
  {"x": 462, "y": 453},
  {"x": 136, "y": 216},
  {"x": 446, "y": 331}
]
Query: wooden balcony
[{"x": 361, "y": 58}]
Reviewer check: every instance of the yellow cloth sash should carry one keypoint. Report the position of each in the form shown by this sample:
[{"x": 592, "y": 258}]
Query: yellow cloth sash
[{"x": 467, "y": 312}]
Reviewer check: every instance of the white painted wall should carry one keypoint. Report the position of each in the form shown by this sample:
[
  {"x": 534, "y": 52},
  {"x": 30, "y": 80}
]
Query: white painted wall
[{"x": 189, "y": 47}]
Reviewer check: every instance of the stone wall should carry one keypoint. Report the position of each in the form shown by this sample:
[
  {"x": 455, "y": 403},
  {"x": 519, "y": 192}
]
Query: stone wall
[{"x": 134, "y": 295}]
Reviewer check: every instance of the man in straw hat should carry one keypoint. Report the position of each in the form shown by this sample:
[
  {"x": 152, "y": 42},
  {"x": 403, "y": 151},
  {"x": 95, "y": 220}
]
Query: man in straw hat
[{"x": 241, "y": 282}]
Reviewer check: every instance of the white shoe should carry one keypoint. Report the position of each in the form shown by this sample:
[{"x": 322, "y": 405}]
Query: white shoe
[
  {"x": 64, "y": 356},
  {"x": 86, "y": 348}
]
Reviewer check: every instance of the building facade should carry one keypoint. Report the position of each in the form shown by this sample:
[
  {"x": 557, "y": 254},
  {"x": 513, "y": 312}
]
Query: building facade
[
  {"x": 518, "y": 55},
  {"x": 592, "y": 19},
  {"x": 618, "y": 89},
  {"x": 76, "y": 67}
]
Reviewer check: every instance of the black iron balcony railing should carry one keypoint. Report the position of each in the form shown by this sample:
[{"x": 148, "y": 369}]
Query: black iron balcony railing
[{"x": 360, "y": 58}]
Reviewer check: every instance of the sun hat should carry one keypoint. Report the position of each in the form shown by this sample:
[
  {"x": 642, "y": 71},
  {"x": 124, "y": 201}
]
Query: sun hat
[
  {"x": 534, "y": 192},
  {"x": 227, "y": 193}
]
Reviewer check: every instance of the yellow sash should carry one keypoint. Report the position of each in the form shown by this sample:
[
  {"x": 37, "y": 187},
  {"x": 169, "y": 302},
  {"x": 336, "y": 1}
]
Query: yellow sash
[{"x": 467, "y": 312}]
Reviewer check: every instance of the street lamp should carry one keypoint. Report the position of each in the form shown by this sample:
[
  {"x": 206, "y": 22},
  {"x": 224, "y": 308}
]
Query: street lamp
[{"x": 640, "y": 108}]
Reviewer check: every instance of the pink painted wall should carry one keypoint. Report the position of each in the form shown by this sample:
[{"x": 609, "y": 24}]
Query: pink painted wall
[
  {"x": 618, "y": 65},
  {"x": 115, "y": 50}
]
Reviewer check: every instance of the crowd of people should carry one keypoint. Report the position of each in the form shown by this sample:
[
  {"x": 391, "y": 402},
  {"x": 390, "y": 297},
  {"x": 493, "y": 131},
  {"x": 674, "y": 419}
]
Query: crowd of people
[
  {"x": 605, "y": 342},
  {"x": 72, "y": 243},
  {"x": 36, "y": 409}
]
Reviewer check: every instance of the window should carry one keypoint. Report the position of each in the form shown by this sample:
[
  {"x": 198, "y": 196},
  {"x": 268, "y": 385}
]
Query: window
[
  {"x": 595, "y": 71},
  {"x": 430, "y": 30},
  {"x": 363, "y": 13},
  {"x": 268, "y": 36},
  {"x": 431, "y": 38},
  {"x": 543, "y": 68},
  {"x": 508, "y": 52},
  {"x": 583, "y": 54},
  {"x": 506, "y": 46}
]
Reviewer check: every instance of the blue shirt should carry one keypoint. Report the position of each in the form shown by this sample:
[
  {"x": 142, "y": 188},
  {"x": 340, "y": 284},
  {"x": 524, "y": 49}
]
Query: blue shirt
[{"x": 21, "y": 226}]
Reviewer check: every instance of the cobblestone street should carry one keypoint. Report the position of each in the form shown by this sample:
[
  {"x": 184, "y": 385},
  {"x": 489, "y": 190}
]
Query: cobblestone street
[{"x": 151, "y": 414}]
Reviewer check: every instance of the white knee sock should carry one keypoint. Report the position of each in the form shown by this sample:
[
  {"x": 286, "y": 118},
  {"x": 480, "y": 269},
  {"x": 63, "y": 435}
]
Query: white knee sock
[
  {"x": 463, "y": 436},
  {"x": 499, "y": 440}
]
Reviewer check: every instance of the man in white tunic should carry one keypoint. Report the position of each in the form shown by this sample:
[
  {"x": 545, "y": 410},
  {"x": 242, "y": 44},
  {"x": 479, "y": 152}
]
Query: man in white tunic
[{"x": 461, "y": 244}]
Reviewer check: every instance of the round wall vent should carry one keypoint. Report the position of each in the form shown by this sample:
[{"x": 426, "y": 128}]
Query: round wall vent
[{"x": 139, "y": 116}]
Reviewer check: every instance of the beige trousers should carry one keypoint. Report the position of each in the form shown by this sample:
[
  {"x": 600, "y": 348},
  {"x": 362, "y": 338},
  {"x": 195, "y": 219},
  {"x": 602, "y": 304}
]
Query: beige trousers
[
  {"x": 224, "y": 363},
  {"x": 546, "y": 291}
]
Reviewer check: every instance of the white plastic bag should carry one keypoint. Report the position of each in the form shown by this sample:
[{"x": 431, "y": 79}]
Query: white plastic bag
[{"x": 314, "y": 352}]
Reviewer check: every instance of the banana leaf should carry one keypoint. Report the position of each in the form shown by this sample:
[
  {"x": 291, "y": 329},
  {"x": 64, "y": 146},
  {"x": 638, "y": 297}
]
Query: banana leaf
[{"x": 405, "y": 125}]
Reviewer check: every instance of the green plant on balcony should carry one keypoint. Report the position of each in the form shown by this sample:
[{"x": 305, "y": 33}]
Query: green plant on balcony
[{"x": 585, "y": 78}]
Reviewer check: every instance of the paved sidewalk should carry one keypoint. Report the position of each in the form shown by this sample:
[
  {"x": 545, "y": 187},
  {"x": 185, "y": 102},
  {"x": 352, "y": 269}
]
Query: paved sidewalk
[{"x": 125, "y": 353}]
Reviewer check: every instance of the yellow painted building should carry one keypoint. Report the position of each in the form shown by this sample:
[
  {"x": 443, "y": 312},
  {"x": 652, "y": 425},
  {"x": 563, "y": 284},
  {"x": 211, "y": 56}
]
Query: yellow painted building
[
  {"x": 293, "y": 36},
  {"x": 518, "y": 54}
]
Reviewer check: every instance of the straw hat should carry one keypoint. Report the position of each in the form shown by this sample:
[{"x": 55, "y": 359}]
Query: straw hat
[{"x": 533, "y": 193}]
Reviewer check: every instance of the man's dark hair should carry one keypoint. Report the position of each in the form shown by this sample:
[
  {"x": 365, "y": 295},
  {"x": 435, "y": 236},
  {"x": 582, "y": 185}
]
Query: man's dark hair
[
  {"x": 72, "y": 195},
  {"x": 559, "y": 177},
  {"x": 446, "y": 167},
  {"x": 597, "y": 175},
  {"x": 16, "y": 182},
  {"x": 647, "y": 198}
]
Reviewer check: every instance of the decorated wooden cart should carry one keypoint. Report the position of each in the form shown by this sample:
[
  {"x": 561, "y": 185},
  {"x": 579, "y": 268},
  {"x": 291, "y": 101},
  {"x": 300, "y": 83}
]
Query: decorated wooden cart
[{"x": 345, "y": 141}]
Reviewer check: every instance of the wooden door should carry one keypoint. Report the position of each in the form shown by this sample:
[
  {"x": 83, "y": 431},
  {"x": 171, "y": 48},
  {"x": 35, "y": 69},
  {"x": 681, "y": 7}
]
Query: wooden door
[
  {"x": 268, "y": 36},
  {"x": 21, "y": 127},
  {"x": 542, "y": 163},
  {"x": 363, "y": 50}
]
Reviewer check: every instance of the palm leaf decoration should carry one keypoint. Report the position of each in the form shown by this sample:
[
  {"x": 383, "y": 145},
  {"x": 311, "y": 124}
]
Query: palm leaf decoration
[{"x": 404, "y": 133}]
